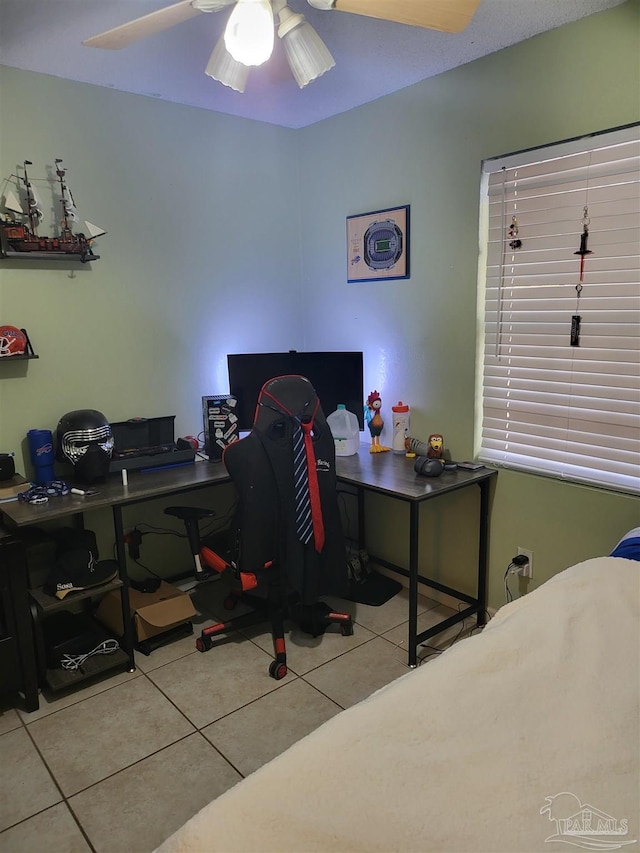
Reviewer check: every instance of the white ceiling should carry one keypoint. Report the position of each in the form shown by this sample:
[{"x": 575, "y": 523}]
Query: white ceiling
[{"x": 373, "y": 58}]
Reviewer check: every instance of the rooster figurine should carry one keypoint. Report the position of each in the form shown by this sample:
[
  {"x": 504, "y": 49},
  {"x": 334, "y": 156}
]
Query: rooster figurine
[{"x": 374, "y": 422}]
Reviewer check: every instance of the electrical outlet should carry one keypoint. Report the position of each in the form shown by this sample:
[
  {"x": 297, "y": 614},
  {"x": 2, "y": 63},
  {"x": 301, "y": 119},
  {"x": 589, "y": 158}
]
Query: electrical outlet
[{"x": 527, "y": 571}]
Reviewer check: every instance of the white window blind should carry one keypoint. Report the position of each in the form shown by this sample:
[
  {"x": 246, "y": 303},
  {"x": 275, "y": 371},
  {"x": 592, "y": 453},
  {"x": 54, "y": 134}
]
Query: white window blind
[{"x": 547, "y": 406}]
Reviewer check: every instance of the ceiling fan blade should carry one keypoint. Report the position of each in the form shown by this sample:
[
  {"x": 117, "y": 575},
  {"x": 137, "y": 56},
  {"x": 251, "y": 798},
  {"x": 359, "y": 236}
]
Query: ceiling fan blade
[
  {"x": 448, "y": 16},
  {"x": 148, "y": 25}
]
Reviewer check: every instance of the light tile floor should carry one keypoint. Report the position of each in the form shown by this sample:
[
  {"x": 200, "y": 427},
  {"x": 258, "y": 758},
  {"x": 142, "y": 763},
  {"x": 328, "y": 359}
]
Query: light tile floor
[{"x": 120, "y": 765}]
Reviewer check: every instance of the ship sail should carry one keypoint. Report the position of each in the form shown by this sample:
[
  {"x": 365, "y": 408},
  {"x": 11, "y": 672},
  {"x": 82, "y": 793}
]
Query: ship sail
[
  {"x": 70, "y": 210},
  {"x": 35, "y": 205},
  {"x": 11, "y": 203},
  {"x": 94, "y": 231}
]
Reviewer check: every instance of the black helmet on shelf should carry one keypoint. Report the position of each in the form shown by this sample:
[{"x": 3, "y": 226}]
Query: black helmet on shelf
[{"x": 84, "y": 440}]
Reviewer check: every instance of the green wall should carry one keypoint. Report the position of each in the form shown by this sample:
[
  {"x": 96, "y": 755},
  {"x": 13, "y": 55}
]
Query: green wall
[
  {"x": 424, "y": 146},
  {"x": 189, "y": 269},
  {"x": 228, "y": 235}
]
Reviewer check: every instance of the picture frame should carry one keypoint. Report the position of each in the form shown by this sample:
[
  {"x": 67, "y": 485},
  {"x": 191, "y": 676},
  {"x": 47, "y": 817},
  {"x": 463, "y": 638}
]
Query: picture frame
[{"x": 378, "y": 245}]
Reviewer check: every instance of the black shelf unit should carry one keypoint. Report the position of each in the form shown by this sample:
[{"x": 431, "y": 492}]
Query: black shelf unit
[
  {"x": 58, "y": 679},
  {"x": 49, "y": 603},
  {"x": 17, "y": 655}
]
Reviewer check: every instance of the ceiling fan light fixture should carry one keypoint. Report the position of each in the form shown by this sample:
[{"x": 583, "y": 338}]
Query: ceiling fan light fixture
[
  {"x": 249, "y": 33},
  {"x": 307, "y": 55},
  {"x": 211, "y": 5},
  {"x": 225, "y": 69}
]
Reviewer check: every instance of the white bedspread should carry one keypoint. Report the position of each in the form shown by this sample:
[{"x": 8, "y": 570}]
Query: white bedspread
[{"x": 522, "y": 738}]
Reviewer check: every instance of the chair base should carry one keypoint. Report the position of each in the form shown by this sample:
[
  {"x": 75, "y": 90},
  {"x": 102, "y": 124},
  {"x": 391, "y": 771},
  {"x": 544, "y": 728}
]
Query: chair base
[{"x": 314, "y": 620}]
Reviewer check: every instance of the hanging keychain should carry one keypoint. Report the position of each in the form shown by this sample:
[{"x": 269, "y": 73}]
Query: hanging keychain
[
  {"x": 582, "y": 251},
  {"x": 513, "y": 233}
]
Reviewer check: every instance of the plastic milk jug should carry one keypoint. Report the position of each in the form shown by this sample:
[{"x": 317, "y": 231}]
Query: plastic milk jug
[
  {"x": 345, "y": 431},
  {"x": 401, "y": 414}
]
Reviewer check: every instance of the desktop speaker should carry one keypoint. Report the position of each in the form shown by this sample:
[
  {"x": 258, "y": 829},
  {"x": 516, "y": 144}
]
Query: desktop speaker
[{"x": 7, "y": 466}]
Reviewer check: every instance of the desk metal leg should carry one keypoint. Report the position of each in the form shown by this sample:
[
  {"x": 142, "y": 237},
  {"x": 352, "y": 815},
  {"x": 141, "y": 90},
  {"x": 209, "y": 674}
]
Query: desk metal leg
[
  {"x": 122, "y": 563},
  {"x": 482, "y": 553},
  {"x": 413, "y": 582},
  {"x": 362, "y": 533},
  {"x": 24, "y": 633}
]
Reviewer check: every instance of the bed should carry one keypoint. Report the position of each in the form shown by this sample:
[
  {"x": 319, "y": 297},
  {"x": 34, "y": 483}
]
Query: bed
[{"x": 524, "y": 737}]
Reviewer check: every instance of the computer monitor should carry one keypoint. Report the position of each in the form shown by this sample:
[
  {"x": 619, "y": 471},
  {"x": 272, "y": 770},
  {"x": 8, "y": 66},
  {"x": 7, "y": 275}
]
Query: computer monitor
[{"x": 336, "y": 376}]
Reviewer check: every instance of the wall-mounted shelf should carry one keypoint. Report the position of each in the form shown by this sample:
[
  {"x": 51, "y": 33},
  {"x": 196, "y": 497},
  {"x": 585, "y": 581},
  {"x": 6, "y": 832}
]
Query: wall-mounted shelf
[
  {"x": 9, "y": 359},
  {"x": 48, "y": 256}
]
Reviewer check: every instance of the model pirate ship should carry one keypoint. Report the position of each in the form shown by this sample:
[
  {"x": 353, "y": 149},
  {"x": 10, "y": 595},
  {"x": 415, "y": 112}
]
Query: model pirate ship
[{"x": 21, "y": 221}]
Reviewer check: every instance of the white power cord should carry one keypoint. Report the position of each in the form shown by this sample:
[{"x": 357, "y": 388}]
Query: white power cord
[{"x": 73, "y": 662}]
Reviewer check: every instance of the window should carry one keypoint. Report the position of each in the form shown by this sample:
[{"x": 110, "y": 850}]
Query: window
[{"x": 559, "y": 364}]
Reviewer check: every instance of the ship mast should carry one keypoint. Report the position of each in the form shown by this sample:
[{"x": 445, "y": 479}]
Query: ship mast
[
  {"x": 66, "y": 200},
  {"x": 32, "y": 201}
]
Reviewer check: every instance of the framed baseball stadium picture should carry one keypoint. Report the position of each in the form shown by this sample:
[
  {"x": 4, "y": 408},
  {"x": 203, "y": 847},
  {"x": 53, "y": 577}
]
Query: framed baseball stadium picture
[{"x": 378, "y": 245}]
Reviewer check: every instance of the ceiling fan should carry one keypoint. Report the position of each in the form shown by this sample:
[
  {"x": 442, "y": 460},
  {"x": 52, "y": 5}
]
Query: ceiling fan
[{"x": 249, "y": 34}]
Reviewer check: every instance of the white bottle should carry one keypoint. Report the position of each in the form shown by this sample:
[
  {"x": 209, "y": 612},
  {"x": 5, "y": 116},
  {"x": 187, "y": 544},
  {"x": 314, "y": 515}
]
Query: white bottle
[
  {"x": 345, "y": 431},
  {"x": 401, "y": 414}
]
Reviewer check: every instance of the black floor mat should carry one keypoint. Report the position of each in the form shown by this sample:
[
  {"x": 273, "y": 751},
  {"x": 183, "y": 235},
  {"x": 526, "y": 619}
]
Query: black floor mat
[{"x": 375, "y": 589}]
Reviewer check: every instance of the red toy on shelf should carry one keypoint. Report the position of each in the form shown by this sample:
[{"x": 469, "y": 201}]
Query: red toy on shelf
[{"x": 374, "y": 422}]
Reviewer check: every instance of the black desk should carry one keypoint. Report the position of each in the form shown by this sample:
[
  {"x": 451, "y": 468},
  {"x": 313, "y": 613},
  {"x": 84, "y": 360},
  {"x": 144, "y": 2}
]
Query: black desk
[
  {"x": 386, "y": 473},
  {"x": 393, "y": 475}
]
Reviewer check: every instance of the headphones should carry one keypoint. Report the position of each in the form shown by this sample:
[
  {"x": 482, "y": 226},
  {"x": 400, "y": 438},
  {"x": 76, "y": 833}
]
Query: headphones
[
  {"x": 428, "y": 467},
  {"x": 145, "y": 585}
]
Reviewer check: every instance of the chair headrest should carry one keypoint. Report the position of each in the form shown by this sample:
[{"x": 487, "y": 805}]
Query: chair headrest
[{"x": 290, "y": 396}]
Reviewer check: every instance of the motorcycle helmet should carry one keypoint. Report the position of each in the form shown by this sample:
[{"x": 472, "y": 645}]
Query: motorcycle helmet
[{"x": 84, "y": 440}]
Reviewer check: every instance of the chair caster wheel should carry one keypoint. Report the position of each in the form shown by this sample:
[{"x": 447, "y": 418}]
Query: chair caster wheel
[
  {"x": 277, "y": 670},
  {"x": 203, "y": 644},
  {"x": 230, "y": 602},
  {"x": 347, "y": 629}
]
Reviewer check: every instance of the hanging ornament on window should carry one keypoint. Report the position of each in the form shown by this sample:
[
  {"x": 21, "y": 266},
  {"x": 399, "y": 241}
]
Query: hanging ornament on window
[
  {"x": 582, "y": 251},
  {"x": 513, "y": 233}
]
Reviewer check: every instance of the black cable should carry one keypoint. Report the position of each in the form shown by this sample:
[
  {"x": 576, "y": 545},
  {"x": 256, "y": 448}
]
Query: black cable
[
  {"x": 147, "y": 569},
  {"x": 507, "y": 592},
  {"x": 436, "y": 650},
  {"x": 220, "y": 522},
  {"x": 159, "y": 531},
  {"x": 345, "y": 512}
]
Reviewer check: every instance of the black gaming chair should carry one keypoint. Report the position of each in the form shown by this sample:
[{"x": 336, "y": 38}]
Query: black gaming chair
[{"x": 287, "y": 543}]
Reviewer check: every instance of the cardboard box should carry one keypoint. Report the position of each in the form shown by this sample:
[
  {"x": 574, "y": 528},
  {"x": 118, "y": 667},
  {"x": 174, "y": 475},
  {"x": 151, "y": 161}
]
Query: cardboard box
[{"x": 153, "y": 612}]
